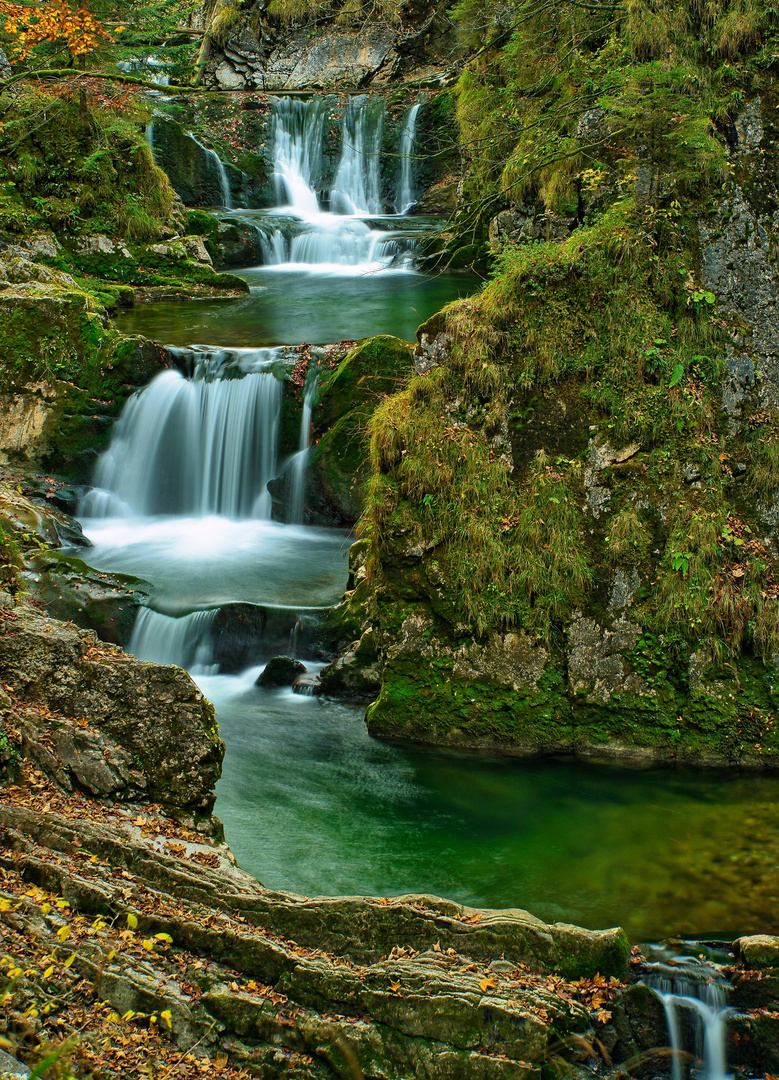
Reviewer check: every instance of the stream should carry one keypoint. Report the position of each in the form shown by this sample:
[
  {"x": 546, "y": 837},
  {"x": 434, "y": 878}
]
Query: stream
[{"x": 310, "y": 803}]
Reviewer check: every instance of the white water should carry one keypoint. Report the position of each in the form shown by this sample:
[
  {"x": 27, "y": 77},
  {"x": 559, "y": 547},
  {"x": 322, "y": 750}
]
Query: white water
[
  {"x": 338, "y": 241},
  {"x": 204, "y": 445},
  {"x": 298, "y": 467},
  {"x": 406, "y": 198},
  {"x": 695, "y": 988},
  {"x": 357, "y": 185},
  {"x": 184, "y": 641}
]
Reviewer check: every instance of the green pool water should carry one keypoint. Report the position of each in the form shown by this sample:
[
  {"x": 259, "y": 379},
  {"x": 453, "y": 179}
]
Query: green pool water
[
  {"x": 312, "y": 804},
  {"x": 289, "y": 307}
]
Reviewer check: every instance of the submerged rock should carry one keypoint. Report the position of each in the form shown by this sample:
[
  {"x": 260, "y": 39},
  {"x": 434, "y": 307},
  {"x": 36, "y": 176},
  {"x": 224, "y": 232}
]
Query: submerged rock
[{"x": 281, "y": 671}]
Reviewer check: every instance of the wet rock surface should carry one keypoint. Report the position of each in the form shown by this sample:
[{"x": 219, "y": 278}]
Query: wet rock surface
[{"x": 281, "y": 671}]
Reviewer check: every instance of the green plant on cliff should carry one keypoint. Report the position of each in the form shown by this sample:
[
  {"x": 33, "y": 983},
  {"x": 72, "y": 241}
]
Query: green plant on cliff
[
  {"x": 77, "y": 169},
  {"x": 613, "y": 118}
]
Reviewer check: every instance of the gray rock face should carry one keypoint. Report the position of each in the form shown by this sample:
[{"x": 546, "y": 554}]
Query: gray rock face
[
  {"x": 94, "y": 717},
  {"x": 337, "y": 57},
  {"x": 595, "y": 663}
]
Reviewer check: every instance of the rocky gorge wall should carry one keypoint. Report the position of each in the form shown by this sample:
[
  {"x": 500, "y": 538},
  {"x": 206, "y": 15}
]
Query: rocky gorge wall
[{"x": 570, "y": 541}]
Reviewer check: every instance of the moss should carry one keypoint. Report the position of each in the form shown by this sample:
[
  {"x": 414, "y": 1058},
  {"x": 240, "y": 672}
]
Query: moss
[{"x": 348, "y": 396}]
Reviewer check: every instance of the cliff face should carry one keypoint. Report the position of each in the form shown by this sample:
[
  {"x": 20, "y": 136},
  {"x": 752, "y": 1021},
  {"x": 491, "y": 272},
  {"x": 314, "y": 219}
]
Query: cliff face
[
  {"x": 304, "y": 47},
  {"x": 571, "y": 523}
]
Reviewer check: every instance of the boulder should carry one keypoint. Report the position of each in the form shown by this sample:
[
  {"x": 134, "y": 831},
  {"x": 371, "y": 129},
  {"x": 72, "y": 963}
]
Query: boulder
[
  {"x": 93, "y": 717},
  {"x": 281, "y": 671}
]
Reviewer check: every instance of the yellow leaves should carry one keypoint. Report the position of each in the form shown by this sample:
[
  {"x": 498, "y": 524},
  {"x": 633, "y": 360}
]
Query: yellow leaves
[
  {"x": 48, "y": 972},
  {"x": 166, "y": 938},
  {"x": 148, "y": 944},
  {"x": 395, "y": 987},
  {"x": 488, "y": 984},
  {"x": 52, "y": 22},
  {"x": 167, "y": 1016},
  {"x": 132, "y": 921},
  {"x": 63, "y": 933},
  {"x": 69, "y": 960}
]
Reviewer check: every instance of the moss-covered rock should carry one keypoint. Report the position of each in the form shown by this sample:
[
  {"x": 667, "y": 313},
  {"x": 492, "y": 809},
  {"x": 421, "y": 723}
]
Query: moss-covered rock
[{"x": 339, "y": 463}]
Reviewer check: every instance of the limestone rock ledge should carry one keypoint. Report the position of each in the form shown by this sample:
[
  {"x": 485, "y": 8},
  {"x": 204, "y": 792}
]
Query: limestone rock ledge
[
  {"x": 405, "y": 987},
  {"x": 94, "y": 718}
]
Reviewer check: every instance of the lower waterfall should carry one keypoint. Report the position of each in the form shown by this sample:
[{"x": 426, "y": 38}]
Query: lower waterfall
[
  {"x": 694, "y": 996},
  {"x": 200, "y": 445}
]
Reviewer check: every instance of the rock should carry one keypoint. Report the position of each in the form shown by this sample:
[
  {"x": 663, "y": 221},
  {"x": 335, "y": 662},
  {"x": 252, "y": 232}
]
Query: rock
[
  {"x": 281, "y": 671},
  {"x": 196, "y": 249},
  {"x": 6, "y": 71},
  {"x": 228, "y": 78},
  {"x": 238, "y": 243},
  {"x": 758, "y": 950},
  {"x": 524, "y": 224},
  {"x": 9, "y": 1066},
  {"x": 107, "y": 721}
]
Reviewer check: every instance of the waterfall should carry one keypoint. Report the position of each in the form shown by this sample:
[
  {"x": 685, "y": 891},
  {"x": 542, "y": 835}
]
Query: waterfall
[
  {"x": 357, "y": 185},
  {"x": 300, "y": 234},
  {"x": 298, "y": 133},
  {"x": 218, "y": 165},
  {"x": 184, "y": 641},
  {"x": 299, "y": 463},
  {"x": 405, "y": 197},
  {"x": 194, "y": 446},
  {"x": 696, "y": 988}
]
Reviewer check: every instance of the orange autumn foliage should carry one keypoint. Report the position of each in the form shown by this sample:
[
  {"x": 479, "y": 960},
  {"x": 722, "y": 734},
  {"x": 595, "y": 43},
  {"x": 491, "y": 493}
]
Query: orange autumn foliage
[{"x": 53, "y": 22}]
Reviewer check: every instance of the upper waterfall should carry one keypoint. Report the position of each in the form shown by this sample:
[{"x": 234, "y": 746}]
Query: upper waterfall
[
  {"x": 298, "y": 132},
  {"x": 303, "y": 233},
  {"x": 357, "y": 185}
]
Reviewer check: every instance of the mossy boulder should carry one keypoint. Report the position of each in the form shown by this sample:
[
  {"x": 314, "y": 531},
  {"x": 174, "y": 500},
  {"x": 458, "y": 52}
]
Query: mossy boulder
[
  {"x": 64, "y": 371},
  {"x": 339, "y": 463},
  {"x": 280, "y": 671}
]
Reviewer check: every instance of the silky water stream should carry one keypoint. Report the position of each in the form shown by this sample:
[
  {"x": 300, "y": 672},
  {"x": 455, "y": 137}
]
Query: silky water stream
[{"x": 310, "y": 803}]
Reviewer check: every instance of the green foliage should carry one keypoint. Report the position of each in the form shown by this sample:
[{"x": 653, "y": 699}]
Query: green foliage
[
  {"x": 564, "y": 91},
  {"x": 77, "y": 170}
]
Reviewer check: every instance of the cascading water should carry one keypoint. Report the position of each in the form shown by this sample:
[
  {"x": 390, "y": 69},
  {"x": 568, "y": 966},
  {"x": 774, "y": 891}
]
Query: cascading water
[
  {"x": 299, "y": 463},
  {"x": 184, "y": 641},
  {"x": 298, "y": 133},
  {"x": 203, "y": 445},
  {"x": 217, "y": 165},
  {"x": 694, "y": 991},
  {"x": 357, "y": 185},
  {"x": 303, "y": 235},
  {"x": 405, "y": 197}
]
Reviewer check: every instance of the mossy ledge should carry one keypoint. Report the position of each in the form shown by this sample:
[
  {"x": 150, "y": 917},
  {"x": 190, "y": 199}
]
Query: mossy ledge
[{"x": 571, "y": 521}]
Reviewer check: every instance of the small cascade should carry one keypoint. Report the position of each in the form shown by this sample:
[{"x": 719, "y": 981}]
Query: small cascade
[
  {"x": 405, "y": 197},
  {"x": 298, "y": 133},
  {"x": 694, "y": 996},
  {"x": 218, "y": 166},
  {"x": 149, "y": 133},
  {"x": 299, "y": 463},
  {"x": 194, "y": 446},
  {"x": 184, "y": 641},
  {"x": 357, "y": 185}
]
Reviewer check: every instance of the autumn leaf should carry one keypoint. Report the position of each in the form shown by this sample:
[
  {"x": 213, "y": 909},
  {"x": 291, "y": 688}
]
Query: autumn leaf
[{"x": 488, "y": 984}]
